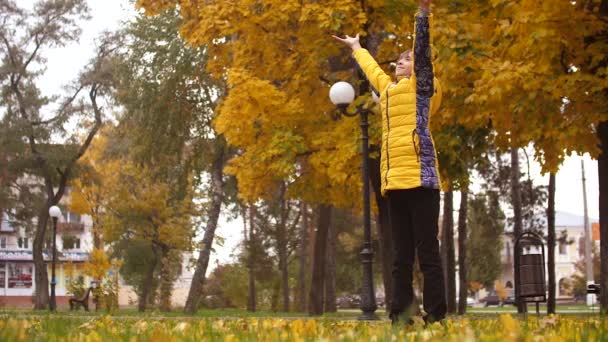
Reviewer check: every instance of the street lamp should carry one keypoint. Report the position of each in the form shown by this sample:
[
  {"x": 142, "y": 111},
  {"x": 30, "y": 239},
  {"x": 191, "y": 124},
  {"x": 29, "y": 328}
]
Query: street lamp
[
  {"x": 55, "y": 213},
  {"x": 342, "y": 94}
]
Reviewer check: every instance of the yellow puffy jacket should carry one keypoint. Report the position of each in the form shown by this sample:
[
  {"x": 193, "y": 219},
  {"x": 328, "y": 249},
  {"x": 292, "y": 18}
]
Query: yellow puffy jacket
[{"x": 408, "y": 157}]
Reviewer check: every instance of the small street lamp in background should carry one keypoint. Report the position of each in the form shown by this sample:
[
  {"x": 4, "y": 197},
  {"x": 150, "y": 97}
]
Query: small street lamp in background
[
  {"x": 342, "y": 94},
  {"x": 55, "y": 213}
]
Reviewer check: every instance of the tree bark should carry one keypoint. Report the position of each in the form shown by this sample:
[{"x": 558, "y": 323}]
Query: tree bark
[
  {"x": 602, "y": 167},
  {"x": 551, "y": 244},
  {"x": 602, "y": 171},
  {"x": 166, "y": 279},
  {"x": 317, "y": 286},
  {"x": 462, "y": 250},
  {"x": 282, "y": 251},
  {"x": 517, "y": 222},
  {"x": 447, "y": 249},
  {"x": 330, "y": 270},
  {"x": 41, "y": 282},
  {"x": 384, "y": 231},
  {"x": 251, "y": 304},
  {"x": 302, "y": 258},
  {"x": 146, "y": 291},
  {"x": 217, "y": 186}
]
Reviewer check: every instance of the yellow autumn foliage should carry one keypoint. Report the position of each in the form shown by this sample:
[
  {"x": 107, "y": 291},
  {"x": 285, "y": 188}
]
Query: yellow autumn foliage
[{"x": 522, "y": 68}]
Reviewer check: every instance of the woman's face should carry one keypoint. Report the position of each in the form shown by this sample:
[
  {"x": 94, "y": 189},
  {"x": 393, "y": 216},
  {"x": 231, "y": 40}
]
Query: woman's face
[{"x": 404, "y": 65}]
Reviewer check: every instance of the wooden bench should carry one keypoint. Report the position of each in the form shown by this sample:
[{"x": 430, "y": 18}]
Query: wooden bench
[
  {"x": 82, "y": 301},
  {"x": 594, "y": 289}
]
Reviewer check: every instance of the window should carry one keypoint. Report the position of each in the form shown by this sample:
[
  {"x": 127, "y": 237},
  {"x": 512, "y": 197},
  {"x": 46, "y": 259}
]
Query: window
[
  {"x": 2, "y": 242},
  {"x": 73, "y": 217},
  {"x": 562, "y": 248},
  {"x": 5, "y": 224},
  {"x": 70, "y": 242},
  {"x": 20, "y": 275},
  {"x": 2, "y": 274},
  {"x": 22, "y": 242}
]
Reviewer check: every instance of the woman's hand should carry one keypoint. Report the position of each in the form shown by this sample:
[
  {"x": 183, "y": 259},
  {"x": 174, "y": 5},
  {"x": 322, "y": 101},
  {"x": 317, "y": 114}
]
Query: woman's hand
[
  {"x": 425, "y": 5},
  {"x": 351, "y": 42}
]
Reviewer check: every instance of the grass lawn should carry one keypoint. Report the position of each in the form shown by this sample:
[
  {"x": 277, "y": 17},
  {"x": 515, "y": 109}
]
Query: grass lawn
[{"x": 239, "y": 325}]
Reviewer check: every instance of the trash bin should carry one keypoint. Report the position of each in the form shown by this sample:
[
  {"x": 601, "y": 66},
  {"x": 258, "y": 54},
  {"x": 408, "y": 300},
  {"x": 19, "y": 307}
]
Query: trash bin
[{"x": 532, "y": 284}]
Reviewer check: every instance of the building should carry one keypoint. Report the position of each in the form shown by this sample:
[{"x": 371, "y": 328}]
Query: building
[
  {"x": 566, "y": 254},
  {"x": 17, "y": 277}
]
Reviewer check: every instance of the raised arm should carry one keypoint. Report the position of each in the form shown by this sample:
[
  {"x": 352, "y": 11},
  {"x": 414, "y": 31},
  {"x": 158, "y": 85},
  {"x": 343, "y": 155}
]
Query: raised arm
[
  {"x": 373, "y": 72},
  {"x": 423, "y": 67}
]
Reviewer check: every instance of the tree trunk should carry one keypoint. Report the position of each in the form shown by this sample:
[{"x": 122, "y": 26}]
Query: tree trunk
[
  {"x": 41, "y": 281},
  {"x": 517, "y": 222},
  {"x": 384, "y": 231},
  {"x": 302, "y": 258},
  {"x": 330, "y": 270},
  {"x": 166, "y": 279},
  {"x": 447, "y": 249},
  {"x": 276, "y": 294},
  {"x": 217, "y": 186},
  {"x": 251, "y": 304},
  {"x": 462, "y": 250},
  {"x": 602, "y": 172},
  {"x": 317, "y": 286},
  {"x": 551, "y": 244},
  {"x": 146, "y": 288},
  {"x": 283, "y": 264},
  {"x": 96, "y": 229}
]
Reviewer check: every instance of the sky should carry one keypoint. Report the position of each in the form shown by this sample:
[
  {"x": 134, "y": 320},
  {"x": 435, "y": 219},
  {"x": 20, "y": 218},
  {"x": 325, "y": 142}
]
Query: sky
[{"x": 64, "y": 64}]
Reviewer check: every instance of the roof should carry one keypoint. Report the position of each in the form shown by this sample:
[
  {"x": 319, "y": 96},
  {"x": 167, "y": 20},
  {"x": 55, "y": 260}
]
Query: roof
[{"x": 564, "y": 219}]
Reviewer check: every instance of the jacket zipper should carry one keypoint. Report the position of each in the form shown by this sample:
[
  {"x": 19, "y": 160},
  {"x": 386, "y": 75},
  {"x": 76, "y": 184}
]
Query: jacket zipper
[
  {"x": 416, "y": 147},
  {"x": 388, "y": 131}
]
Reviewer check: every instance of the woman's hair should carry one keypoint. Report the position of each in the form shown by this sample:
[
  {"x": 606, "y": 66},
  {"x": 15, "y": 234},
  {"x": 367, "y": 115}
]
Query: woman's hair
[{"x": 405, "y": 53}]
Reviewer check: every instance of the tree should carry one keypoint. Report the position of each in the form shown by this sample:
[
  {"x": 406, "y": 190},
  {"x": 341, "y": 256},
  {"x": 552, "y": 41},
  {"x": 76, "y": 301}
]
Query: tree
[
  {"x": 316, "y": 297},
  {"x": 140, "y": 207},
  {"x": 25, "y": 36},
  {"x": 486, "y": 227},
  {"x": 277, "y": 219},
  {"x": 226, "y": 287},
  {"x": 462, "y": 250},
  {"x": 551, "y": 244},
  {"x": 549, "y": 88},
  {"x": 302, "y": 258},
  {"x": 447, "y": 249},
  {"x": 170, "y": 101},
  {"x": 534, "y": 77},
  {"x": 87, "y": 189}
]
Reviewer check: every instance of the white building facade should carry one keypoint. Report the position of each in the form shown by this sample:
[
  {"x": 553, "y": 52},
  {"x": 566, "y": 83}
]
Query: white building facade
[{"x": 17, "y": 276}]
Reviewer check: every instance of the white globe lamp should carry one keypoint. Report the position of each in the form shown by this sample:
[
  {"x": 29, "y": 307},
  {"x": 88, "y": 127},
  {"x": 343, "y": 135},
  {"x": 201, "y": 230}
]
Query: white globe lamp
[
  {"x": 342, "y": 93},
  {"x": 54, "y": 211}
]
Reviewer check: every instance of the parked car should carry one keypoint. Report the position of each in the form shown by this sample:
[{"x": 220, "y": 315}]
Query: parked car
[
  {"x": 471, "y": 301},
  {"x": 493, "y": 299},
  {"x": 510, "y": 300},
  {"x": 348, "y": 301}
]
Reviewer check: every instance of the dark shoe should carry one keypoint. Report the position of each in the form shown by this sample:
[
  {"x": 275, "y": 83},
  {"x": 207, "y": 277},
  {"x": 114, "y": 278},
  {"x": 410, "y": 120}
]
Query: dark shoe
[
  {"x": 430, "y": 319},
  {"x": 398, "y": 319}
]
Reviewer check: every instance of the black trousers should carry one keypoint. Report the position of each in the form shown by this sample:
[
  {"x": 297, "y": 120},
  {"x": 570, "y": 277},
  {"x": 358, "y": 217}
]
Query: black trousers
[{"x": 414, "y": 215}]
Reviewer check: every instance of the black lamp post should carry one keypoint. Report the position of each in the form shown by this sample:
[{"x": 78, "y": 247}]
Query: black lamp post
[
  {"x": 55, "y": 213},
  {"x": 342, "y": 94}
]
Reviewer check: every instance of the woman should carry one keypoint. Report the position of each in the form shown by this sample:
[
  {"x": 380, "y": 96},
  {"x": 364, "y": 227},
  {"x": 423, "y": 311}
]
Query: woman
[{"x": 409, "y": 168}]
